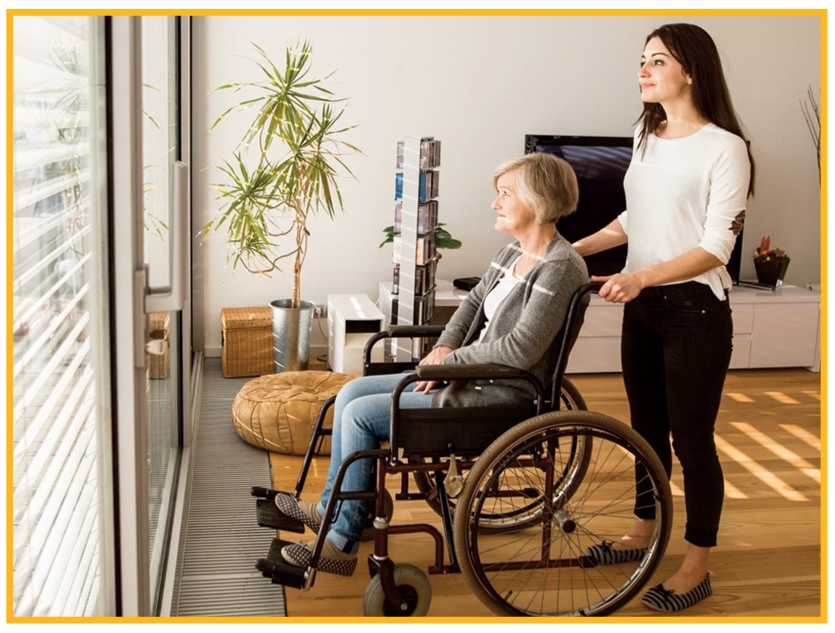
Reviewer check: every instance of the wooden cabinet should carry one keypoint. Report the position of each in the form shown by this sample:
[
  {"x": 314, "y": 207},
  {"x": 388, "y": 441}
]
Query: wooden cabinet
[
  {"x": 779, "y": 328},
  {"x": 785, "y": 327}
]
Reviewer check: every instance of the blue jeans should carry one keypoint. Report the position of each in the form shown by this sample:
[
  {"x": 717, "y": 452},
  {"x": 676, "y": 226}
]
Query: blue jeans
[
  {"x": 361, "y": 420},
  {"x": 676, "y": 348}
]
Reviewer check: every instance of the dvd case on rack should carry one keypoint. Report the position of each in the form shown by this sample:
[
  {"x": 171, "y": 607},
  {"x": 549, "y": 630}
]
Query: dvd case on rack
[
  {"x": 427, "y": 218},
  {"x": 430, "y": 154},
  {"x": 427, "y": 185},
  {"x": 424, "y": 279},
  {"x": 400, "y": 151},
  {"x": 424, "y": 309},
  {"x": 425, "y": 249}
]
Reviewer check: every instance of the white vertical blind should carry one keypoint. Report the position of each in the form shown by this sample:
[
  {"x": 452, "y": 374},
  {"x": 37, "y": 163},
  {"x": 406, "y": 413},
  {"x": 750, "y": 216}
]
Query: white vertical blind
[{"x": 59, "y": 303}]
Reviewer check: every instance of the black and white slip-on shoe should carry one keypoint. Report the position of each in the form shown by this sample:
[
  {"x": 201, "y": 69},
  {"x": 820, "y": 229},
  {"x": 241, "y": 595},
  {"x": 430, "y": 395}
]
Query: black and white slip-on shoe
[
  {"x": 299, "y": 510},
  {"x": 332, "y": 561},
  {"x": 604, "y": 554},
  {"x": 668, "y": 601}
]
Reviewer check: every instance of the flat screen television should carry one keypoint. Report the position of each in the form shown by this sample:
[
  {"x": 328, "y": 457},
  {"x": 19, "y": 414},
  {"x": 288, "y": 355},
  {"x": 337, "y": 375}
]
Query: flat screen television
[{"x": 600, "y": 163}]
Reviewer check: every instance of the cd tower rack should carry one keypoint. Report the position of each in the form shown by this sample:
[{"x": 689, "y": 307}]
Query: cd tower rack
[{"x": 414, "y": 252}]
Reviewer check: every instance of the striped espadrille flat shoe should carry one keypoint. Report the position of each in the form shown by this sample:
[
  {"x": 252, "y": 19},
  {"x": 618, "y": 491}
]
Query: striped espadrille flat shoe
[
  {"x": 604, "y": 554},
  {"x": 299, "y": 510},
  {"x": 660, "y": 599},
  {"x": 332, "y": 561}
]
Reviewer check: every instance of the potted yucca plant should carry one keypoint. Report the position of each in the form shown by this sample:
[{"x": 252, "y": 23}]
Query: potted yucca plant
[{"x": 285, "y": 169}]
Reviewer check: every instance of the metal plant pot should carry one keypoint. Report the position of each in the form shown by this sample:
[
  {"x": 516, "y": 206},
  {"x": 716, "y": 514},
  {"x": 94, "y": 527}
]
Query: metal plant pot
[{"x": 291, "y": 334}]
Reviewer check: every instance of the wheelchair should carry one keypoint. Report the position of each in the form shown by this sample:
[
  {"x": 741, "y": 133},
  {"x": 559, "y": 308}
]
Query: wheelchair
[{"x": 522, "y": 493}]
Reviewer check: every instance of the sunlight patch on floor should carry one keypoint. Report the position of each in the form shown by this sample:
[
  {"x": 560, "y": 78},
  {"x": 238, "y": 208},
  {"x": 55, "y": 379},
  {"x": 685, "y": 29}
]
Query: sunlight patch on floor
[
  {"x": 739, "y": 397},
  {"x": 781, "y": 397},
  {"x": 803, "y": 435},
  {"x": 761, "y": 473},
  {"x": 732, "y": 492},
  {"x": 781, "y": 451}
]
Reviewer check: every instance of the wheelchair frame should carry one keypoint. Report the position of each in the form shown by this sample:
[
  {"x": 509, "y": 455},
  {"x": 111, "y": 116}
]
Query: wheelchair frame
[{"x": 580, "y": 444}]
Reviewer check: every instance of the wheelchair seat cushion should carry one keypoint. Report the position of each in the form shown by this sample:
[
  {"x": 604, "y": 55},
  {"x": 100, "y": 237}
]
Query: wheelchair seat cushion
[{"x": 277, "y": 412}]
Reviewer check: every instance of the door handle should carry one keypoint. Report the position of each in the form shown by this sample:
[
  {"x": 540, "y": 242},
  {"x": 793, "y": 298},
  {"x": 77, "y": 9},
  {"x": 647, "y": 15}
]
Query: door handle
[{"x": 170, "y": 298}]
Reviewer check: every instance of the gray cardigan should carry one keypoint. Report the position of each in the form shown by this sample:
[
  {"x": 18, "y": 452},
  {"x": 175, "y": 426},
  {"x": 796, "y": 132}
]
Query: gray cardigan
[{"x": 521, "y": 332}]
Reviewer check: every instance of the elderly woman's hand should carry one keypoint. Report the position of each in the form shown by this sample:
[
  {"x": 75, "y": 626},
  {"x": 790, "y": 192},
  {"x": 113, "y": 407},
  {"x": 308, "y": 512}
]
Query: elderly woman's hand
[{"x": 435, "y": 357}]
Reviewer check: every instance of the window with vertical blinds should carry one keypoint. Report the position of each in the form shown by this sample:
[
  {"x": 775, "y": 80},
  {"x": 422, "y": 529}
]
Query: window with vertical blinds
[{"x": 61, "y": 484}]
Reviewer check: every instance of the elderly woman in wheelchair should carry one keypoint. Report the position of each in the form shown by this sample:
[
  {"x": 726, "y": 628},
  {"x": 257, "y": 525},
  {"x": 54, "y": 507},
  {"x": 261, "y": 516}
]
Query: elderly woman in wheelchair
[
  {"x": 549, "y": 485},
  {"x": 510, "y": 318}
]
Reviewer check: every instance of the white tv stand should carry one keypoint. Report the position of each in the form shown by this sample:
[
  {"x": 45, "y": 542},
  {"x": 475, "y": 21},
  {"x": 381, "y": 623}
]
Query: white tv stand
[{"x": 779, "y": 328}]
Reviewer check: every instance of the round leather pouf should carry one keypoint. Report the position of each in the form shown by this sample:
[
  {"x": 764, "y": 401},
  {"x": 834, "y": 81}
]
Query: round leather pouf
[{"x": 277, "y": 412}]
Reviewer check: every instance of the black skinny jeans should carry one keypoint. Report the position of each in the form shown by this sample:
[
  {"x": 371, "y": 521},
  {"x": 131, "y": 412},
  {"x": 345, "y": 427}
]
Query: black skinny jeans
[{"x": 675, "y": 350}]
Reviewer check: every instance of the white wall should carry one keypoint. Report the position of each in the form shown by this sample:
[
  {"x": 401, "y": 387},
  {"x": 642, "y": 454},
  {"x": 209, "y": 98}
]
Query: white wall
[{"x": 479, "y": 84}]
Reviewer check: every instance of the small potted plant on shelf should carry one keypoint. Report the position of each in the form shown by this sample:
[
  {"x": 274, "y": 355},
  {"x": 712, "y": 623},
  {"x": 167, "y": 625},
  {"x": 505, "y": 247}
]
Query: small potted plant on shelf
[
  {"x": 771, "y": 265},
  {"x": 443, "y": 238},
  {"x": 440, "y": 238},
  {"x": 286, "y": 168}
]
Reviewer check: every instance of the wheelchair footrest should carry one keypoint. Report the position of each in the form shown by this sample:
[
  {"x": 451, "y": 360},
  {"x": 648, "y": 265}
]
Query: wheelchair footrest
[
  {"x": 264, "y": 493},
  {"x": 269, "y": 517},
  {"x": 278, "y": 570}
]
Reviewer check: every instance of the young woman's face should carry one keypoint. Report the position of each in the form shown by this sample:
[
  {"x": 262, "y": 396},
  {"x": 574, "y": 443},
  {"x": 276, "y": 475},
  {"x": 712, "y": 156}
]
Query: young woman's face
[
  {"x": 661, "y": 76},
  {"x": 512, "y": 215}
]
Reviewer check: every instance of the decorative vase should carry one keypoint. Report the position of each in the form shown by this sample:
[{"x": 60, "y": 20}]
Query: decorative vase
[
  {"x": 291, "y": 334},
  {"x": 771, "y": 270}
]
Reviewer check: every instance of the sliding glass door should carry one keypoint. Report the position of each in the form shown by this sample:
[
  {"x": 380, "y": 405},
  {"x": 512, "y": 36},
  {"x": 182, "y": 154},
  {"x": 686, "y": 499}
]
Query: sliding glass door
[
  {"x": 98, "y": 285},
  {"x": 63, "y": 472},
  {"x": 162, "y": 195},
  {"x": 150, "y": 198}
]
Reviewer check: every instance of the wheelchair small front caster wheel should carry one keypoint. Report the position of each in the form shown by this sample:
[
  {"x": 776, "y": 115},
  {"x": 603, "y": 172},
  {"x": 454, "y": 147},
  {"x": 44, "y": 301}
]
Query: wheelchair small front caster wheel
[{"x": 413, "y": 588}]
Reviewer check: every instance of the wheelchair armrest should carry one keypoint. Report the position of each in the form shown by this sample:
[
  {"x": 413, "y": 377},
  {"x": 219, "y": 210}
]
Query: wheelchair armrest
[
  {"x": 467, "y": 372},
  {"x": 408, "y": 331},
  {"x": 401, "y": 331}
]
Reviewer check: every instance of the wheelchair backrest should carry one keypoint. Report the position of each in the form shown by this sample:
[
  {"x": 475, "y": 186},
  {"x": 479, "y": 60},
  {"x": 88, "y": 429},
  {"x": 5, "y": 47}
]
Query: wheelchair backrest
[{"x": 574, "y": 318}]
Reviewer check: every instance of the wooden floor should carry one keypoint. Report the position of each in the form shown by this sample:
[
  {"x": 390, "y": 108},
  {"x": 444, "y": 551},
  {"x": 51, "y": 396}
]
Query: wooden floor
[{"x": 768, "y": 563}]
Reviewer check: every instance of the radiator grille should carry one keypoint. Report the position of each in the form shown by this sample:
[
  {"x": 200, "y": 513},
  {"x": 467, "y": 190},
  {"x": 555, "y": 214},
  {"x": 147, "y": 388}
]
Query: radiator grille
[{"x": 221, "y": 540}]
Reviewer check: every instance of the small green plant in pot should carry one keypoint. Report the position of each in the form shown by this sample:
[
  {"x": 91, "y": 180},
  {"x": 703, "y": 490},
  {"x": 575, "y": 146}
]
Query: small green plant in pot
[
  {"x": 443, "y": 239},
  {"x": 286, "y": 168},
  {"x": 440, "y": 236}
]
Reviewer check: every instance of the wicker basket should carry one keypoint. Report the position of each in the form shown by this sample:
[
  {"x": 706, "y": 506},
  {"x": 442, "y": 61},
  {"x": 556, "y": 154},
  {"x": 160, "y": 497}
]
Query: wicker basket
[
  {"x": 247, "y": 342},
  {"x": 159, "y": 365}
]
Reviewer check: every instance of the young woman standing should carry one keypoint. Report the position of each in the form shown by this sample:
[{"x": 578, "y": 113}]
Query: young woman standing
[{"x": 686, "y": 193}]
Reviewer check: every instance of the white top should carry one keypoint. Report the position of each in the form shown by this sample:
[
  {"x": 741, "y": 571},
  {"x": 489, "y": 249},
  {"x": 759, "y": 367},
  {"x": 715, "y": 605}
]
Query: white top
[
  {"x": 507, "y": 282},
  {"x": 685, "y": 193}
]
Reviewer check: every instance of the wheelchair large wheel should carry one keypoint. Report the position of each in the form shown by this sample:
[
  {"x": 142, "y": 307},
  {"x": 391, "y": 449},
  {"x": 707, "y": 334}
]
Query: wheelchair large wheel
[
  {"x": 528, "y": 504},
  {"x": 412, "y": 586},
  {"x": 543, "y": 568}
]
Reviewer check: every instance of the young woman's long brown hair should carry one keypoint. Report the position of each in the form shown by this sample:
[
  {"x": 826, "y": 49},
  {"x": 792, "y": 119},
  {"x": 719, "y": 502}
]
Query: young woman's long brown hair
[{"x": 695, "y": 50}]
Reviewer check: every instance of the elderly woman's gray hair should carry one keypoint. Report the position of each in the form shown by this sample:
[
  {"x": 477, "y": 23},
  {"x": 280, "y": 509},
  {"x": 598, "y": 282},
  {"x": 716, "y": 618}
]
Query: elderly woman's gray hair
[{"x": 545, "y": 183}]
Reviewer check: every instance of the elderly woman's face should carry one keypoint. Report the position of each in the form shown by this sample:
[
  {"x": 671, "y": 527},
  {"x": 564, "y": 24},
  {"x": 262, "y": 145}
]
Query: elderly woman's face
[{"x": 512, "y": 215}]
